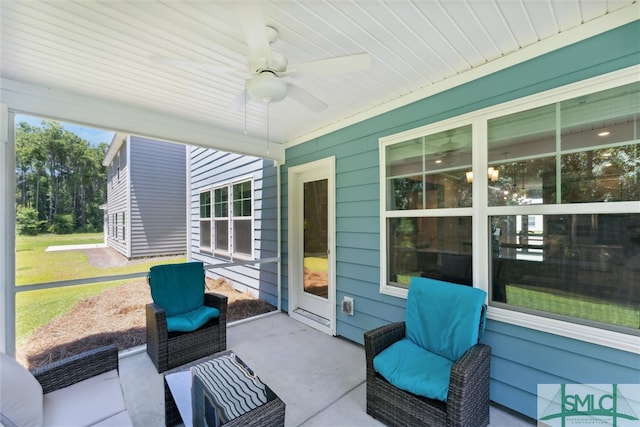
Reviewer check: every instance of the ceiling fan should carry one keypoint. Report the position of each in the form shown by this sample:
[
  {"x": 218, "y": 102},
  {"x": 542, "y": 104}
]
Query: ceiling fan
[{"x": 268, "y": 68}]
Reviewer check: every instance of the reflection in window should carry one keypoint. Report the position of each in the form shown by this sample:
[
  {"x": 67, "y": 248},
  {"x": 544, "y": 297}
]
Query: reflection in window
[
  {"x": 605, "y": 175},
  {"x": 585, "y": 266},
  {"x": 438, "y": 247},
  {"x": 430, "y": 172},
  {"x": 584, "y": 149}
]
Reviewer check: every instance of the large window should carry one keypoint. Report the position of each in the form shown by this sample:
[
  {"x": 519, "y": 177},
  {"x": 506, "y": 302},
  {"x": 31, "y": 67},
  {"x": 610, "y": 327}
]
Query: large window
[
  {"x": 233, "y": 220},
  {"x": 555, "y": 218},
  {"x": 426, "y": 185},
  {"x": 562, "y": 259}
]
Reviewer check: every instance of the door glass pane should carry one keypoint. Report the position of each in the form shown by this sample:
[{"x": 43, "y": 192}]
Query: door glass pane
[{"x": 315, "y": 197}]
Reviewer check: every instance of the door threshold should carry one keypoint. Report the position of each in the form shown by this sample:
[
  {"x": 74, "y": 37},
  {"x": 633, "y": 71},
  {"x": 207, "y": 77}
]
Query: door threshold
[{"x": 313, "y": 317}]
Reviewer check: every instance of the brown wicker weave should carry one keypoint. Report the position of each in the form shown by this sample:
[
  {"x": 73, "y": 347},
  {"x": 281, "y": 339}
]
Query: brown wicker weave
[
  {"x": 267, "y": 415},
  {"x": 71, "y": 370},
  {"x": 467, "y": 402},
  {"x": 168, "y": 350}
]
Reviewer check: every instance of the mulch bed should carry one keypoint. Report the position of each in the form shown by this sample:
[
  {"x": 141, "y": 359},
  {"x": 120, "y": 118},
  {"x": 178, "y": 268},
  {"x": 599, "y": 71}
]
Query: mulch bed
[{"x": 116, "y": 316}]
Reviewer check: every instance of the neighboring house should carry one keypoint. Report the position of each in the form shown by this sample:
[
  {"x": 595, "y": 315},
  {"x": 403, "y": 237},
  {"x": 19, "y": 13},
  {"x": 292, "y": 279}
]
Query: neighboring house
[
  {"x": 405, "y": 194},
  {"x": 233, "y": 205},
  {"x": 145, "y": 213}
]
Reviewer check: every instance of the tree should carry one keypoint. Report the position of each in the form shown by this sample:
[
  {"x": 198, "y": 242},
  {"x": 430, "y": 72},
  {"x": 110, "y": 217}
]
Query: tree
[{"x": 59, "y": 174}]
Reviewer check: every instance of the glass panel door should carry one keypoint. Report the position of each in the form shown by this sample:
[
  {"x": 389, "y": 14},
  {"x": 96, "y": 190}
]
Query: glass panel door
[{"x": 315, "y": 280}]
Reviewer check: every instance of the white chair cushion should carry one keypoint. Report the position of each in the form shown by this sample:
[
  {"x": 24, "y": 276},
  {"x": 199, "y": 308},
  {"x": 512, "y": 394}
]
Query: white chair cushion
[
  {"x": 20, "y": 394},
  {"x": 86, "y": 403},
  {"x": 121, "y": 419}
]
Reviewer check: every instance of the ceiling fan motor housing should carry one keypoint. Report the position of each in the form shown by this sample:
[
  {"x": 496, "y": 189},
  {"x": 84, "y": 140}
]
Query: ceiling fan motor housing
[{"x": 267, "y": 87}]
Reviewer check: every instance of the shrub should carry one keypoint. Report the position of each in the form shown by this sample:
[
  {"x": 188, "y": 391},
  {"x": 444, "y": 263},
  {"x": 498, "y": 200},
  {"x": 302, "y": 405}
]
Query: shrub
[
  {"x": 27, "y": 223},
  {"x": 62, "y": 224}
]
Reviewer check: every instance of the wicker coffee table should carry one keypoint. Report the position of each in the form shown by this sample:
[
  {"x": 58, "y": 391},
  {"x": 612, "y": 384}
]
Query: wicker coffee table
[{"x": 177, "y": 398}]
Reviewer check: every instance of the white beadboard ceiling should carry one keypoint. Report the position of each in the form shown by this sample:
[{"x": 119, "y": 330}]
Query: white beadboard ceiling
[{"x": 102, "y": 50}]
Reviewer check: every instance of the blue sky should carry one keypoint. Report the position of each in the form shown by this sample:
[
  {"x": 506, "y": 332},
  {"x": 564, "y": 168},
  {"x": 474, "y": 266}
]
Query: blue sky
[{"x": 92, "y": 135}]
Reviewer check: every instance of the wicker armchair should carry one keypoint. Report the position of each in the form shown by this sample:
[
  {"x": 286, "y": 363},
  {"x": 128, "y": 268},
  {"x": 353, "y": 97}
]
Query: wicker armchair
[
  {"x": 74, "y": 369},
  {"x": 64, "y": 392},
  {"x": 467, "y": 398},
  {"x": 168, "y": 349}
]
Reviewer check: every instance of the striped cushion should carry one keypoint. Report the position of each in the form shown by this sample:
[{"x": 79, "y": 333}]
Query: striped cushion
[{"x": 223, "y": 389}]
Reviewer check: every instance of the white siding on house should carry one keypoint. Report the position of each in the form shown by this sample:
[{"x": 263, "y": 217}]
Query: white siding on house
[
  {"x": 146, "y": 198},
  {"x": 158, "y": 198},
  {"x": 117, "y": 198},
  {"x": 210, "y": 168}
]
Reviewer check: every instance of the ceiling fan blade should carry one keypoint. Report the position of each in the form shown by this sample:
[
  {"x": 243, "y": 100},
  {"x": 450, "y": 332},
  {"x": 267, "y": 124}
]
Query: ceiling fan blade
[
  {"x": 335, "y": 65},
  {"x": 255, "y": 32},
  {"x": 305, "y": 98}
]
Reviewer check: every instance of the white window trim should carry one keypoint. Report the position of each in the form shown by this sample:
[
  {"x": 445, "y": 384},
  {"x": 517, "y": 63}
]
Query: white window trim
[
  {"x": 481, "y": 212},
  {"x": 214, "y": 248},
  {"x": 234, "y": 254},
  {"x": 205, "y": 249}
]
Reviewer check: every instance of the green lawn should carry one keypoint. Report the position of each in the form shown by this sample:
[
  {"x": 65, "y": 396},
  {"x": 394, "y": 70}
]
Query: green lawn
[
  {"x": 34, "y": 265},
  {"x": 581, "y": 307},
  {"x": 316, "y": 264}
]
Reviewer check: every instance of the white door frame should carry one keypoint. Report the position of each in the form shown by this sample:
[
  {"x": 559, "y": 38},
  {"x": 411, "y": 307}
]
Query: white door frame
[{"x": 326, "y": 169}]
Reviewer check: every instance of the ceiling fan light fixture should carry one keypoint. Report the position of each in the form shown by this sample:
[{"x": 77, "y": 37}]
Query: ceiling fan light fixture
[{"x": 267, "y": 87}]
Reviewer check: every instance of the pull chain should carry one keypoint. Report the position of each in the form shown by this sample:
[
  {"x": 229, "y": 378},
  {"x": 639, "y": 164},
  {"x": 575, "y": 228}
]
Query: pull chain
[{"x": 268, "y": 148}]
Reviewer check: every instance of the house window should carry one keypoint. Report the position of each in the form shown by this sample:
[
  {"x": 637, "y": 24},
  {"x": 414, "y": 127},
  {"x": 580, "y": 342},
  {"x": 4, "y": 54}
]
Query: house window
[
  {"x": 233, "y": 219},
  {"x": 124, "y": 227},
  {"x": 242, "y": 219},
  {"x": 426, "y": 212},
  {"x": 556, "y": 213},
  {"x": 577, "y": 255},
  {"x": 205, "y": 221}
]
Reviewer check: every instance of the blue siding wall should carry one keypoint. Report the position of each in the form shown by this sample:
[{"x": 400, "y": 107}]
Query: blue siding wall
[
  {"x": 522, "y": 357},
  {"x": 209, "y": 168}
]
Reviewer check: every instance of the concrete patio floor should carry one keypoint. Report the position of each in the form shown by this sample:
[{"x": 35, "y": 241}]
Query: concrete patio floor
[{"x": 320, "y": 378}]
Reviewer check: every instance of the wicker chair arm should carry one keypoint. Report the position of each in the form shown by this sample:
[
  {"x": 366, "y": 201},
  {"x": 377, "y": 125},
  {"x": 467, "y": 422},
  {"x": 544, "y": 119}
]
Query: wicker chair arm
[
  {"x": 73, "y": 369},
  {"x": 468, "y": 386},
  {"x": 220, "y": 302},
  {"x": 215, "y": 300},
  {"x": 380, "y": 338},
  {"x": 156, "y": 315}
]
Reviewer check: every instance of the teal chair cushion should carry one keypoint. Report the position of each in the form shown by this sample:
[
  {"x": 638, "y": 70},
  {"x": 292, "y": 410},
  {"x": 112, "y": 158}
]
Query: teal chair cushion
[
  {"x": 191, "y": 320},
  {"x": 412, "y": 368},
  {"x": 178, "y": 288},
  {"x": 444, "y": 318}
]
